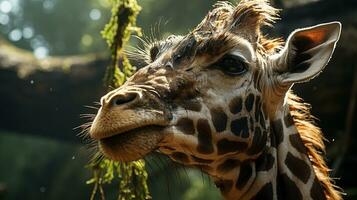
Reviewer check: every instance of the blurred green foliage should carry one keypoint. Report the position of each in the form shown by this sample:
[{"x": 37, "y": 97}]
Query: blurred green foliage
[
  {"x": 66, "y": 27},
  {"x": 61, "y": 27},
  {"x": 38, "y": 168}
]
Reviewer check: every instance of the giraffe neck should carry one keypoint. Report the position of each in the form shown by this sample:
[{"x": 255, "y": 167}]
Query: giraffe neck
[
  {"x": 282, "y": 171},
  {"x": 296, "y": 178}
]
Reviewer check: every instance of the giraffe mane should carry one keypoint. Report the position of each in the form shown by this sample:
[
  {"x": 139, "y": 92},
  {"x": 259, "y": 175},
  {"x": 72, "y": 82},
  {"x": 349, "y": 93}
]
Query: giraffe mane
[
  {"x": 312, "y": 138},
  {"x": 245, "y": 17}
]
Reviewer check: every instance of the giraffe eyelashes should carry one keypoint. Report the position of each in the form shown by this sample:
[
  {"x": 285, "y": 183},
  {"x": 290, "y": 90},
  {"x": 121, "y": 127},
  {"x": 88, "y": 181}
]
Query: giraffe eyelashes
[{"x": 231, "y": 65}]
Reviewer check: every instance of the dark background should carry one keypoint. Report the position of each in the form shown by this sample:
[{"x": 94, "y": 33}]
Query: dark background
[{"x": 52, "y": 62}]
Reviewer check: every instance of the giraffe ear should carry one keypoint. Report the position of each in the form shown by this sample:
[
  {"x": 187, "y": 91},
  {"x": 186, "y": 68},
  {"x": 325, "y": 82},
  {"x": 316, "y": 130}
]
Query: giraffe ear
[{"x": 307, "y": 52}]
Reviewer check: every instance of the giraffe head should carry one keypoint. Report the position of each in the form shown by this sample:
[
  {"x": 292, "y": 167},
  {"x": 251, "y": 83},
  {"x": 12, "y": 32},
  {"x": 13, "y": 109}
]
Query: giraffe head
[{"x": 209, "y": 96}]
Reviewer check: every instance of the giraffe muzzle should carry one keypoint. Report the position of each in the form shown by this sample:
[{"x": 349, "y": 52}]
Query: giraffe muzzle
[
  {"x": 124, "y": 147},
  {"x": 126, "y": 119}
]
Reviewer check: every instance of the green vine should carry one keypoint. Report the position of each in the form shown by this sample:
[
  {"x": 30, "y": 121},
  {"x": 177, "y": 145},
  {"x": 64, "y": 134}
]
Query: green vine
[
  {"x": 117, "y": 33},
  {"x": 132, "y": 176}
]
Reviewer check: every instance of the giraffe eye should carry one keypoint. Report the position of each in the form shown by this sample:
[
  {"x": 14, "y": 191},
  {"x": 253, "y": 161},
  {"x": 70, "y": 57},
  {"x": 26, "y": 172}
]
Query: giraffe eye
[{"x": 232, "y": 65}]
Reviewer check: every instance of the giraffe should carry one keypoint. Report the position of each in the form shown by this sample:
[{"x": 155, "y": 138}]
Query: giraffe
[{"x": 219, "y": 99}]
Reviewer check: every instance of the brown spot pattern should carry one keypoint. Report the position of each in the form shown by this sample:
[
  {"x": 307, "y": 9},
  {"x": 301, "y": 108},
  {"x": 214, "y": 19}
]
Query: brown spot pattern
[
  {"x": 186, "y": 126},
  {"x": 298, "y": 167},
  {"x": 259, "y": 142},
  {"x": 204, "y": 137},
  {"x": 227, "y": 146},
  {"x": 296, "y": 142},
  {"x": 228, "y": 165},
  {"x": 264, "y": 162},
  {"x": 265, "y": 193},
  {"x": 288, "y": 120},
  {"x": 219, "y": 119},
  {"x": 272, "y": 138},
  {"x": 239, "y": 127},
  {"x": 316, "y": 191},
  {"x": 193, "y": 105},
  {"x": 278, "y": 132},
  {"x": 236, "y": 104},
  {"x": 259, "y": 115},
  {"x": 244, "y": 175},
  {"x": 257, "y": 108},
  {"x": 287, "y": 189},
  {"x": 249, "y": 101}
]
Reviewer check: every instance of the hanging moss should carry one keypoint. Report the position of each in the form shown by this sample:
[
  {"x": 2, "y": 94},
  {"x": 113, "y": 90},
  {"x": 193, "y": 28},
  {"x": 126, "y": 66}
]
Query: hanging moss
[
  {"x": 117, "y": 33},
  {"x": 132, "y": 179},
  {"x": 132, "y": 176}
]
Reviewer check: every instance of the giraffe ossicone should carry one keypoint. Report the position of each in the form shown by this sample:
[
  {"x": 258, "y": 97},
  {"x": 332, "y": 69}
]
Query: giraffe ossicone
[{"x": 219, "y": 99}]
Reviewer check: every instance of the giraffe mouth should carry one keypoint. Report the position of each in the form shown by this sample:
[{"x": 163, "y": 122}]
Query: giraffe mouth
[{"x": 133, "y": 144}]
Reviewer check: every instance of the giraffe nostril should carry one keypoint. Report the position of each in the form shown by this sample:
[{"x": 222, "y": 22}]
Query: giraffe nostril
[{"x": 123, "y": 99}]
